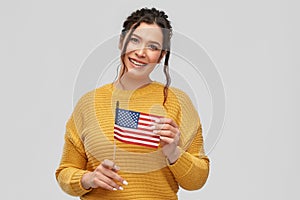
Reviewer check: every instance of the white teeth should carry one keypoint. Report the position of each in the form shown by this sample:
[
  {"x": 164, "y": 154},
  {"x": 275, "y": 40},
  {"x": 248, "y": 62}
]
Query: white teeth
[{"x": 137, "y": 63}]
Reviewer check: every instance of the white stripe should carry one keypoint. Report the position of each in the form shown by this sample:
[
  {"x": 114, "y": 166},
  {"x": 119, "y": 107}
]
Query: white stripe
[
  {"x": 138, "y": 136},
  {"x": 138, "y": 141},
  {"x": 145, "y": 121},
  {"x": 145, "y": 127},
  {"x": 135, "y": 130}
]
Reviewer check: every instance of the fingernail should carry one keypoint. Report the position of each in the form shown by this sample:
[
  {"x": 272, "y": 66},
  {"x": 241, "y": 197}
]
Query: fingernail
[
  {"x": 125, "y": 182},
  {"x": 114, "y": 189},
  {"x": 116, "y": 168},
  {"x": 121, "y": 188}
]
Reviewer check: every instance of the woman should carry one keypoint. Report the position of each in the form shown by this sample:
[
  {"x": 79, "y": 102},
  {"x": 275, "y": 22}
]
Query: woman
[{"x": 104, "y": 156}]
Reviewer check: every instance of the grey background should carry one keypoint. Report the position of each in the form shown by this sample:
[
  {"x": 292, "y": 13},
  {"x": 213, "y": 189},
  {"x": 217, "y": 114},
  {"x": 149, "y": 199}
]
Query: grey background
[{"x": 255, "y": 45}]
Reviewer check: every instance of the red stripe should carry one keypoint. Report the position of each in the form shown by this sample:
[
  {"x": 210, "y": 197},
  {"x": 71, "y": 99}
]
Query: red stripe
[
  {"x": 128, "y": 142},
  {"x": 150, "y": 115},
  {"x": 145, "y": 119},
  {"x": 121, "y": 130},
  {"x": 142, "y": 129},
  {"x": 144, "y": 124},
  {"x": 136, "y": 138}
]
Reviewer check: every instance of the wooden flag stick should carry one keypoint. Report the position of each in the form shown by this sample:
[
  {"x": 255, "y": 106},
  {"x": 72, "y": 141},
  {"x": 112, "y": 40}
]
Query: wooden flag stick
[
  {"x": 114, "y": 154},
  {"x": 115, "y": 146}
]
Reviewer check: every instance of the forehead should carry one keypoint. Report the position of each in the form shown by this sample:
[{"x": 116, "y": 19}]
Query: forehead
[{"x": 149, "y": 32}]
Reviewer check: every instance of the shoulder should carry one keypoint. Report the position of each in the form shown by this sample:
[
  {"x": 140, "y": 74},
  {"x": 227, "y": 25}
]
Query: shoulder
[
  {"x": 179, "y": 99},
  {"x": 89, "y": 97},
  {"x": 181, "y": 96}
]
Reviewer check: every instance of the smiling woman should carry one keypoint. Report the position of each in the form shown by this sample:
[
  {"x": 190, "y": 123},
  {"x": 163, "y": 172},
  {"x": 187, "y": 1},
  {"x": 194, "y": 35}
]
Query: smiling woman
[
  {"x": 135, "y": 138},
  {"x": 143, "y": 52}
]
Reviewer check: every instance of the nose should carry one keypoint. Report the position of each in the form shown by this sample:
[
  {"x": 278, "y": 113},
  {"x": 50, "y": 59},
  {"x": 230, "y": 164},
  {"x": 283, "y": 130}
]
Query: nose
[{"x": 140, "y": 52}]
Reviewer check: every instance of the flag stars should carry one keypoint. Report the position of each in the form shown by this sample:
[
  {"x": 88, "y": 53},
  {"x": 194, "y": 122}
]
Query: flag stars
[{"x": 127, "y": 118}]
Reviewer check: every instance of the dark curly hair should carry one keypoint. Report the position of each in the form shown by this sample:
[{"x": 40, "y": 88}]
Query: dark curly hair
[{"x": 149, "y": 16}]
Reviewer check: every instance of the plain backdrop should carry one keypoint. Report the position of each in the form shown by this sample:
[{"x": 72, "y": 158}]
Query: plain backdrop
[{"x": 254, "y": 44}]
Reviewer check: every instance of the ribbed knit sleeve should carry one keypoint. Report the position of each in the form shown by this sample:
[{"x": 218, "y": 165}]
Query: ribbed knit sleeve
[
  {"x": 73, "y": 162},
  {"x": 192, "y": 168}
]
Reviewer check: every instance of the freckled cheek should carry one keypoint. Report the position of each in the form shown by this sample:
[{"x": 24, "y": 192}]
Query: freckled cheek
[{"x": 153, "y": 57}]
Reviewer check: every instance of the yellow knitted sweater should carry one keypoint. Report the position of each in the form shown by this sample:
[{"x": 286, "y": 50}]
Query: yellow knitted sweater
[{"x": 89, "y": 139}]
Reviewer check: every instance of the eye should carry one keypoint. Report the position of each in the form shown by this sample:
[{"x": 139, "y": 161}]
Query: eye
[
  {"x": 153, "y": 47},
  {"x": 134, "y": 40}
]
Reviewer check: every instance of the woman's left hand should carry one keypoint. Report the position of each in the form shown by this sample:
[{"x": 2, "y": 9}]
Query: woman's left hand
[{"x": 169, "y": 134}]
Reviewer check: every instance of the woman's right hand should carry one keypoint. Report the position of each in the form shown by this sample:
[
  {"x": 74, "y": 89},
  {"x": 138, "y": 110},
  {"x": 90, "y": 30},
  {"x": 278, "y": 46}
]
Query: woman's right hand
[{"x": 104, "y": 176}]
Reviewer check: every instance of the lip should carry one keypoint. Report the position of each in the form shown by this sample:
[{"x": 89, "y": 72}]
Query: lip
[{"x": 136, "y": 60}]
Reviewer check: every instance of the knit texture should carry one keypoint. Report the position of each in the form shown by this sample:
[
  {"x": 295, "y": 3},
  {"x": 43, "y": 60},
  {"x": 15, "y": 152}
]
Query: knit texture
[{"x": 89, "y": 140}]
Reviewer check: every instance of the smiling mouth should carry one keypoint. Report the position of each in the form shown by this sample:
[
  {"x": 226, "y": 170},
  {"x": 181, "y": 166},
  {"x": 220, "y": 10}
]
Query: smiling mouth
[{"x": 139, "y": 64}]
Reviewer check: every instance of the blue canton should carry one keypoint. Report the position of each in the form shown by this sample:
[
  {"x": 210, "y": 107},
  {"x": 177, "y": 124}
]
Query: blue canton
[{"x": 127, "y": 118}]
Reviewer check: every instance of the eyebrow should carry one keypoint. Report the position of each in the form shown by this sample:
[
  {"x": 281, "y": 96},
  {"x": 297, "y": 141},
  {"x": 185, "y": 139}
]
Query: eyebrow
[{"x": 149, "y": 41}]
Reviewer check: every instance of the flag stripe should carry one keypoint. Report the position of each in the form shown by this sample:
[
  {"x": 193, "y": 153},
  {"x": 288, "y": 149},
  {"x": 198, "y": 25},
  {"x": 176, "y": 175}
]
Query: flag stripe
[
  {"x": 150, "y": 115},
  {"x": 144, "y": 128},
  {"x": 148, "y": 119},
  {"x": 139, "y": 135},
  {"x": 136, "y": 131},
  {"x": 144, "y": 124},
  {"x": 145, "y": 120},
  {"x": 138, "y": 142}
]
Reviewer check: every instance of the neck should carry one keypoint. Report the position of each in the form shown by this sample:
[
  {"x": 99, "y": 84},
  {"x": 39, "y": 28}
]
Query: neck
[{"x": 128, "y": 83}]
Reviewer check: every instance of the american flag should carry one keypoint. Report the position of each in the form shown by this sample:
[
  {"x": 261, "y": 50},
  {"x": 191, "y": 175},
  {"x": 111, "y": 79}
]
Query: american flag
[{"x": 134, "y": 128}]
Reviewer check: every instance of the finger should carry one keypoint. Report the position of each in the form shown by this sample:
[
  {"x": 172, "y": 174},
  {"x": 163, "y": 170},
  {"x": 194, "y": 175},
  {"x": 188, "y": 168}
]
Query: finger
[
  {"x": 116, "y": 168},
  {"x": 165, "y": 133},
  {"x": 106, "y": 183},
  {"x": 111, "y": 182},
  {"x": 166, "y": 140},
  {"x": 162, "y": 143},
  {"x": 108, "y": 164},
  {"x": 166, "y": 121},
  {"x": 114, "y": 176},
  {"x": 108, "y": 169},
  {"x": 164, "y": 127}
]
